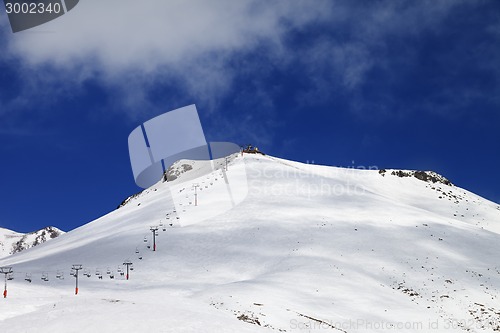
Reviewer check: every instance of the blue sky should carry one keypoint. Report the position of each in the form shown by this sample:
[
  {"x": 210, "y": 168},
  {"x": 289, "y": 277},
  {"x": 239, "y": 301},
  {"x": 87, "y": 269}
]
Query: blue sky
[{"x": 392, "y": 84}]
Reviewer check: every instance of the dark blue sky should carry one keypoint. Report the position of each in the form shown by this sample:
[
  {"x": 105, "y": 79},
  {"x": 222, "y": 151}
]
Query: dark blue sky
[{"x": 393, "y": 84}]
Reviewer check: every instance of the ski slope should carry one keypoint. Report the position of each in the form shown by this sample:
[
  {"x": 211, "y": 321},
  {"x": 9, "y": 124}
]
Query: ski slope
[{"x": 301, "y": 248}]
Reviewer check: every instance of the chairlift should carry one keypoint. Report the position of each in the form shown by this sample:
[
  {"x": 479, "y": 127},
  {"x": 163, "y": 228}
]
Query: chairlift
[
  {"x": 136, "y": 250},
  {"x": 112, "y": 275},
  {"x": 149, "y": 246},
  {"x": 119, "y": 270},
  {"x": 10, "y": 276},
  {"x": 28, "y": 277},
  {"x": 97, "y": 272},
  {"x": 140, "y": 258},
  {"x": 45, "y": 277},
  {"x": 145, "y": 239},
  {"x": 131, "y": 267},
  {"x": 164, "y": 228},
  {"x": 108, "y": 271}
]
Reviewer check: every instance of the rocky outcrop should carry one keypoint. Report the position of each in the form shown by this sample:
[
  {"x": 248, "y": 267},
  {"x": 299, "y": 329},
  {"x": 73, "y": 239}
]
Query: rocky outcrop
[{"x": 426, "y": 176}]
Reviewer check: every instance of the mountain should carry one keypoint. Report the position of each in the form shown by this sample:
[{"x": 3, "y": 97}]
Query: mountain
[
  {"x": 271, "y": 245},
  {"x": 13, "y": 242}
]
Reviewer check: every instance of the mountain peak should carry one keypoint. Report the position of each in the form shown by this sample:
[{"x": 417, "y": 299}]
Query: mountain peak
[
  {"x": 13, "y": 242},
  {"x": 414, "y": 249}
]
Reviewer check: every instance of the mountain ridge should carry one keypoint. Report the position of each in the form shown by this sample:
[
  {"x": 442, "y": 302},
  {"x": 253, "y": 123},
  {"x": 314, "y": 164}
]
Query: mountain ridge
[
  {"x": 310, "y": 245},
  {"x": 13, "y": 242}
]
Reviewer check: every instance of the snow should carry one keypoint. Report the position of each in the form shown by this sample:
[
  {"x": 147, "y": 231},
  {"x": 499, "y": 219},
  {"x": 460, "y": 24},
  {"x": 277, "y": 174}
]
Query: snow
[
  {"x": 7, "y": 239},
  {"x": 300, "y": 248},
  {"x": 11, "y": 241}
]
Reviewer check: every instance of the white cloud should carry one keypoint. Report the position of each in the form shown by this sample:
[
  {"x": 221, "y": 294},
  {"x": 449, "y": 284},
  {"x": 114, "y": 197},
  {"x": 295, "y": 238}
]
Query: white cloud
[
  {"x": 194, "y": 47},
  {"x": 127, "y": 44}
]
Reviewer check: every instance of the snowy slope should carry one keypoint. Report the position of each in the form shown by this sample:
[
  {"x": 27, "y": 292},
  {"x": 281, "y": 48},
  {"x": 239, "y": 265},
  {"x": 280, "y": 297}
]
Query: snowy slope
[
  {"x": 310, "y": 248},
  {"x": 13, "y": 242}
]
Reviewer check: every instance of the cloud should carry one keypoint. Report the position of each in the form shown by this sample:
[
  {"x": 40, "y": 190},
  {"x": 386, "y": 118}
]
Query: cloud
[
  {"x": 128, "y": 44},
  {"x": 154, "y": 55},
  {"x": 370, "y": 53}
]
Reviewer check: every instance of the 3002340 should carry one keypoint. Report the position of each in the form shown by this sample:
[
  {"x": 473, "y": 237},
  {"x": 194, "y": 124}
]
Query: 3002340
[{"x": 32, "y": 8}]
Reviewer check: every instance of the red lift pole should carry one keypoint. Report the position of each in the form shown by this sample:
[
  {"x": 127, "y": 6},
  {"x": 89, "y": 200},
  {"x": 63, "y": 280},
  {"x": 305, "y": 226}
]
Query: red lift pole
[
  {"x": 6, "y": 271},
  {"x": 76, "y": 268},
  {"x": 127, "y": 263},
  {"x": 154, "y": 230}
]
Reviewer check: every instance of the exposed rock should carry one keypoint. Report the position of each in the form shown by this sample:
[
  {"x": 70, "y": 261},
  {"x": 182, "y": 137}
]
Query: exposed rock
[
  {"x": 14, "y": 242},
  {"x": 174, "y": 171},
  {"x": 126, "y": 201},
  {"x": 426, "y": 176}
]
